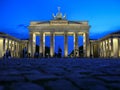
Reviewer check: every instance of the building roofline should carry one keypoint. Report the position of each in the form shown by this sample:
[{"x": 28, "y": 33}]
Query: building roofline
[
  {"x": 4, "y": 35},
  {"x": 111, "y": 35}
]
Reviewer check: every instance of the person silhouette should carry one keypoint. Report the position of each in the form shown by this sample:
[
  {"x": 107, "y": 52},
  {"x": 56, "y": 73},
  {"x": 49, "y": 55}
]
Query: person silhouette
[
  {"x": 8, "y": 53},
  {"x": 59, "y": 52}
]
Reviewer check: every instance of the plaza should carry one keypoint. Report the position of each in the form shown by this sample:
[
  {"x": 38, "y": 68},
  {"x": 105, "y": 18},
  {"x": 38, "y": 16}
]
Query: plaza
[{"x": 60, "y": 74}]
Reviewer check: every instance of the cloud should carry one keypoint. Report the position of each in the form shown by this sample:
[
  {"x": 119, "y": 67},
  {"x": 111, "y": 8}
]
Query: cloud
[{"x": 22, "y": 25}]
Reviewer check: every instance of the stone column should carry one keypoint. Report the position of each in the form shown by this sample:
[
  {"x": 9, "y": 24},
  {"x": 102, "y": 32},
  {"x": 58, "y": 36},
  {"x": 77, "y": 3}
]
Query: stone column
[
  {"x": 102, "y": 49},
  {"x": 85, "y": 44},
  {"x": 11, "y": 47},
  {"x": 52, "y": 44},
  {"x": 111, "y": 47},
  {"x": 99, "y": 49},
  {"x": 115, "y": 47},
  {"x": 105, "y": 48},
  {"x": 66, "y": 44},
  {"x": 18, "y": 49},
  {"x": 88, "y": 45},
  {"x": 108, "y": 48},
  {"x": 32, "y": 43},
  {"x": 4, "y": 45},
  {"x": 76, "y": 48},
  {"x": 119, "y": 47},
  {"x": 8, "y": 44},
  {"x": 91, "y": 49},
  {"x": 14, "y": 51},
  {"x": 42, "y": 44}
]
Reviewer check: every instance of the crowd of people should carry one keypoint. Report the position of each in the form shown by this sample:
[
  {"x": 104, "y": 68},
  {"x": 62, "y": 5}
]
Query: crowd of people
[
  {"x": 25, "y": 54},
  {"x": 7, "y": 54}
]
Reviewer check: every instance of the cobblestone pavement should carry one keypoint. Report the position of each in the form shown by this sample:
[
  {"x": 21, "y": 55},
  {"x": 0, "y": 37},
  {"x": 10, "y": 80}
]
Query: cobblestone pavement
[{"x": 60, "y": 74}]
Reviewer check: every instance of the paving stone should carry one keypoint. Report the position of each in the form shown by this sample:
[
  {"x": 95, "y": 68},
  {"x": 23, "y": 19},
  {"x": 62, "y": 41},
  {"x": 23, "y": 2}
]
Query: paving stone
[
  {"x": 82, "y": 71},
  {"x": 25, "y": 86},
  {"x": 98, "y": 73},
  {"x": 115, "y": 70},
  {"x": 1, "y": 87},
  {"x": 114, "y": 86},
  {"x": 109, "y": 79},
  {"x": 8, "y": 78},
  {"x": 79, "y": 73},
  {"x": 13, "y": 72},
  {"x": 25, "y": 72},
  {"x": 54, "y": 70},
  {"x": 34, "y": 77},
  {"x": 88, "y": 83},
  {"x": 75, "y": 74},
  {"x": 61, "y": 85},
  {"x": 97, "y": 87}
]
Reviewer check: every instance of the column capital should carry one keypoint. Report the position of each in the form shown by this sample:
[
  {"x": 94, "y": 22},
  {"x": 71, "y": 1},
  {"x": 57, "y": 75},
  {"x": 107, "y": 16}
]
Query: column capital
[
  {"x": 65, "y": 32},
  {"x": 31, "y": 32},
  {"x": 41, "y": 32},
  {"x": 52, "y": 33}
]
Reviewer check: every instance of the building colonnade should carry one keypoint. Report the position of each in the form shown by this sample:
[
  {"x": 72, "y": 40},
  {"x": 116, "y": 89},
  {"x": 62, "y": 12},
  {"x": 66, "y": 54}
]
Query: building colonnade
[
  {"x": 106, "y": 47},
  {"x": 12, "y": 45},
  {"x": 32, "y": 43},
  {"x": 110, "y": 47}
]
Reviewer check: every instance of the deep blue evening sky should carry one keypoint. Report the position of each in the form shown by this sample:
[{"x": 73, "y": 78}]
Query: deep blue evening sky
[{"x": 103, "y": 15}]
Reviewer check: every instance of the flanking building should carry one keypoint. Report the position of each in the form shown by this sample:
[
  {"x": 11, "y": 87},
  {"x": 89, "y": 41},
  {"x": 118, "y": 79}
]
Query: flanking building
[
  {"x": 106, "y": 47},
  {"x": 13, "y": 44}
]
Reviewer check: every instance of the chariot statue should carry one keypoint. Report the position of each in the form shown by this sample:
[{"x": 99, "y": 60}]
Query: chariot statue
[{"x": 59, "y": 15}]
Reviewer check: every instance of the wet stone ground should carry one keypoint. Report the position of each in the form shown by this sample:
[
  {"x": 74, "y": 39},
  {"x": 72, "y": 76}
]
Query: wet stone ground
[{"x": 60, "y": 74}]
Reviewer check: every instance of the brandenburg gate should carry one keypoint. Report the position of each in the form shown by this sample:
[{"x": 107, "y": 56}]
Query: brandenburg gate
[{"x": 59, "y": 26}]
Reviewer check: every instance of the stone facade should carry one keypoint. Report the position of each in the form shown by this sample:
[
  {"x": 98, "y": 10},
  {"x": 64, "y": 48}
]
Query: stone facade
[
  {"x": 106, "y": 47},
  {"x": 13, "y": 44},
  {"x": 59, "y": 26}
]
